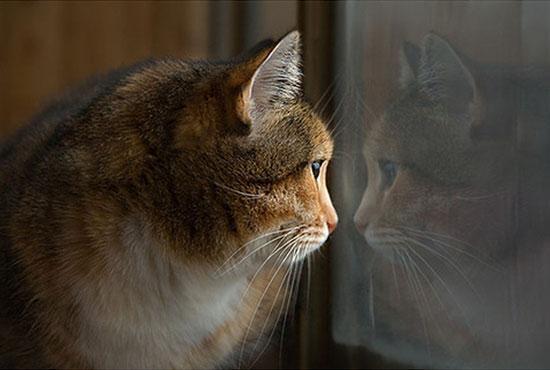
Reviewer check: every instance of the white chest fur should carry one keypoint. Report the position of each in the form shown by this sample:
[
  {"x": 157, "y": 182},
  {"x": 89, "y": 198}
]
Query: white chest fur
[{"x": 148, "y": 312}]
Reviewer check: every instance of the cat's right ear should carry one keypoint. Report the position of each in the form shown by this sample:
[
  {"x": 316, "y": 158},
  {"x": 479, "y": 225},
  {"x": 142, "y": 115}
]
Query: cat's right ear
[
  {"x": 409, "y": 60},
  {"x": 276, "y": 82}
]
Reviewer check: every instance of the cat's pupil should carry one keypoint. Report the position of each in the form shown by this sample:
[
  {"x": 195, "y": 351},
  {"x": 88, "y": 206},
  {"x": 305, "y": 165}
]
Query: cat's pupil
[
  {"x": 389, "y": 172},
  {"x": 316, "y": 168}
]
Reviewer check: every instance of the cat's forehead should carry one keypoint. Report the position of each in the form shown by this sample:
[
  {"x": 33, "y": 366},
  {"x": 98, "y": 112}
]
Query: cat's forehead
[
  {"x": 383, "y": 139},
  {"x": 312, "y": 129}
]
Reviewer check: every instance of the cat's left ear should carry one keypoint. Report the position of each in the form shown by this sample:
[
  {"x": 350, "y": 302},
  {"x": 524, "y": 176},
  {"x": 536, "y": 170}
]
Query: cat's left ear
[
  {"x": 444, "y": 77},
  {"x": 409, "y": 62},
  {"x": 276, "y": 82}
]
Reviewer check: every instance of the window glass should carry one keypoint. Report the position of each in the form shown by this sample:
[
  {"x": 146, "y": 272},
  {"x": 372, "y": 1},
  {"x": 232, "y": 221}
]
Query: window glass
[{"x": 442, "y": 178}]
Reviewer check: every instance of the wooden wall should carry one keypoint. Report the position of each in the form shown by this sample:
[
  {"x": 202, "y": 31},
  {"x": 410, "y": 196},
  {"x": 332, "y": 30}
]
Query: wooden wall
[{"x": 45, "y": 46}]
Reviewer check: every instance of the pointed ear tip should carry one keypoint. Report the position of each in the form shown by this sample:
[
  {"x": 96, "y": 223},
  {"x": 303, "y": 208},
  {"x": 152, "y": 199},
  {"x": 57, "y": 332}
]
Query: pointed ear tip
[
  {"x": 407, "y": 46},
  {"x": 294, "y": 34},
  {"x": 432, "y": 38},
  {"x": 293, "y": 37}
]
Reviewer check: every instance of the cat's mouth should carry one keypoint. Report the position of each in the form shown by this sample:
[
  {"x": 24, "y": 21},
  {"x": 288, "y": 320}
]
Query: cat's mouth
[
  {"x": 296, "y": 243},
  {"x": 287, "y": 245},
  {"x": 383, "y": 241},
  {"x": 310, "y": 239}
]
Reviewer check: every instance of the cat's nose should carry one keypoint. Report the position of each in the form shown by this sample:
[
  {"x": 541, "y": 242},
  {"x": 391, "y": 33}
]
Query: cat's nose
[
  {"x": 362, "y": 215},
  {"x": 360, "y": 224},
  {"x": 331, "y": 224}
]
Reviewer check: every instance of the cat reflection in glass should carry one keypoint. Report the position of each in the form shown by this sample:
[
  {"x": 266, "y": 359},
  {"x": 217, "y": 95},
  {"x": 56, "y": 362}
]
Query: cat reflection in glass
[{"x": 457, "y": 205}]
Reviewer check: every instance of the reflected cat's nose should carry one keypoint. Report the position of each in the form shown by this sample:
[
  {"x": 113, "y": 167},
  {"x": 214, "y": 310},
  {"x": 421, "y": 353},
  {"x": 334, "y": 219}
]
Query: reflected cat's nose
[
  {"x": 360, "y": 223},
  {"x": 362, "y": 215}
]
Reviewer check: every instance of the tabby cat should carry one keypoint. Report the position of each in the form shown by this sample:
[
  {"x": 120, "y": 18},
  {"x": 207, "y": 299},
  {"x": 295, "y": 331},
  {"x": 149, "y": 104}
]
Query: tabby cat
[
  {"x": 457, "y": 206},
  {"x": 155, "y": 216}
]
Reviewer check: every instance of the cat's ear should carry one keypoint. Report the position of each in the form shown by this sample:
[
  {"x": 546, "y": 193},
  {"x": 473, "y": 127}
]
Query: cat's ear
[
  {"x": 409, "y": 60},
  {"x": 444, "y": 77},
  {"x": 276, "y": 82}
]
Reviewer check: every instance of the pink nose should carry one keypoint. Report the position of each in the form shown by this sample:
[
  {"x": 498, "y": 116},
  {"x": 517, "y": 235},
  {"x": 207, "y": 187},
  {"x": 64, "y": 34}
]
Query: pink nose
[
  {"x": 331, "y": 225},
  {"x": 360, "y": 224}
]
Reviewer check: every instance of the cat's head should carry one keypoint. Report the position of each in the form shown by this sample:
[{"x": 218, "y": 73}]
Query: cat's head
[
  {"x": 235, "y": 160},
  {"x": 439, "y": 157}
]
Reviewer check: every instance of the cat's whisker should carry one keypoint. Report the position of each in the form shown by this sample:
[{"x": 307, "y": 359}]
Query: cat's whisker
[
  {"x": 327, "y": 95},
  {"x": 445, "y": 286},
  {"x": 433, "y": 236},
  {"x": 220, "y": 272},
  {"x": 394, "y": 273},
  {"x": 271, "y": 233},
  {"x": 430, "y": 284},
  {"x": 286, "y": 281},
  {"x": 341, "y": 154},
  {"x": 239, "y": 192},
  {"x": 287, "y": 231},
  {"x": 249, "y": 327},
  {"x": 308, "y": 288},
  {"x": 276, "y": 250},
  {"x": 426, "y": 304},
  {"x": 293, "y": 248},
  {"x": 448, "y": 260},
  {"x": 441, "y": 280},
  {"x": 257, "y": 249},
  {"x": 372, "y": 312},
  {"x": 423, "y": 274},
  {"x": 288, "y": 305},
  {"x": 289, "y": 283},
  {"x": 482, "y": 196},
  {"x": 415, "y": 293},
  {"x": 244, "y": 339}
]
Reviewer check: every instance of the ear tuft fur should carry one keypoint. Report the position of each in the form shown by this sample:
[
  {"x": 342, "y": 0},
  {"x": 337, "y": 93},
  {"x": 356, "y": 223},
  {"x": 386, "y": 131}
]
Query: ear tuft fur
[
  {"x": 278, "y": 80},
  {"x": 443, "y": 76}
]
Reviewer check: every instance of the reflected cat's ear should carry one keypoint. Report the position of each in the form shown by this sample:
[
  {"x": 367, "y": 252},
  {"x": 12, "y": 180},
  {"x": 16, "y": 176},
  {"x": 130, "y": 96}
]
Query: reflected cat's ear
[
  {"x": 444, "y": 77},
  {"x": 276, "y": 82},
  {"x": 409, "y": 60}
]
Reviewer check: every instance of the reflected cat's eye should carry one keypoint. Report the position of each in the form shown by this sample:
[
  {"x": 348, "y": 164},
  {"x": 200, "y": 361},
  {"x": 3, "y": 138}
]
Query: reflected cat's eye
[
  {"x": 389, "y": 172},
  {"x": 316, "y": 168}
]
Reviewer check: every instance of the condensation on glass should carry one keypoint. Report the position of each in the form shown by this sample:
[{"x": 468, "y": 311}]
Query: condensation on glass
[{"x": 443, "y": 156}]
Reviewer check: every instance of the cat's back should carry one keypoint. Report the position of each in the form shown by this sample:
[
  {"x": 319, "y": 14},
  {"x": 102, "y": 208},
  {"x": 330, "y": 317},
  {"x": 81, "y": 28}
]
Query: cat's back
[
  {"x": 66, "y": 110},
  {"x": 22, "y": 179}
]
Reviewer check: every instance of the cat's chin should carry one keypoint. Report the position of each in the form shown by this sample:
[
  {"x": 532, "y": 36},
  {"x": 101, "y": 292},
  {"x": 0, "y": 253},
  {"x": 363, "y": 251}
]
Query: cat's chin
[
  {"x": 310, "y": 241},
  {"x": 305, "y": 250},
  {"x": 386, "y": 248},
  {"x": 389, "y": 253}
]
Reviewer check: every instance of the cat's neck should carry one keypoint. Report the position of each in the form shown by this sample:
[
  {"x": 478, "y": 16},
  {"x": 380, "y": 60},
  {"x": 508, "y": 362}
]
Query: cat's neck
[{"x": 152, "y": 304}]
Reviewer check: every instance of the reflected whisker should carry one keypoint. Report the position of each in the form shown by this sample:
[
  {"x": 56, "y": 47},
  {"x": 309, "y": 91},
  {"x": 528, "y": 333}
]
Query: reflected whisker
[{"x": 430, "y": 235}]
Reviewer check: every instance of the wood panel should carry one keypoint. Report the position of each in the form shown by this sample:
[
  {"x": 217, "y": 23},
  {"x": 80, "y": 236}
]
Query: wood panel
[{"x": 47, "y": 46}]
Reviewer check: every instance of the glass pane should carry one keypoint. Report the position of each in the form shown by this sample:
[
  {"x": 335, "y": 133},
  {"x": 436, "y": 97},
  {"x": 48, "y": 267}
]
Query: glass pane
[{"x": 444, "y": 158}]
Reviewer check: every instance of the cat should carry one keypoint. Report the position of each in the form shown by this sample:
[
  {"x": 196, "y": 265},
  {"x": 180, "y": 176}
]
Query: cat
[
  {"x": 457, "y": 207},
  {"x": 155, "y": 216}
]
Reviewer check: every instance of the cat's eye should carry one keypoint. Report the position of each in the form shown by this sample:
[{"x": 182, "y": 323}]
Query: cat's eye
[
  {"x": 316, "y": 167},
  {"x": 389, "y": 172}
]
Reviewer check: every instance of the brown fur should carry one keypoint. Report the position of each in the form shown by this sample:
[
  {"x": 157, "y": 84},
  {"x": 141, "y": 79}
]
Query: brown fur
[{"x": 150, "y": 153}]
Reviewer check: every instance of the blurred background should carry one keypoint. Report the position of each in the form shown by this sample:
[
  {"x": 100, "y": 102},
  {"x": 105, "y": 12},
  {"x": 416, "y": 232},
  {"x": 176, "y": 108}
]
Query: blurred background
[
  {"x": 48, "y": 45},
  {"x": 351, "y": 51}
]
